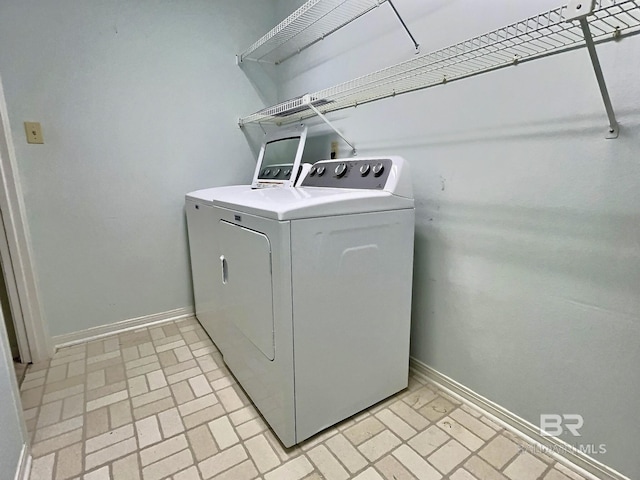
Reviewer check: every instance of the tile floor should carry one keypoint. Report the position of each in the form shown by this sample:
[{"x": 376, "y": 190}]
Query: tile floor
[{"x": 158, "y": 403}]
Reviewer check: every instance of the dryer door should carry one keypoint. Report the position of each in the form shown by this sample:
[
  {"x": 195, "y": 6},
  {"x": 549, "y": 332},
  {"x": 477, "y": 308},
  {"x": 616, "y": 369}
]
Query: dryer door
[{"x": 245, "y": 273}]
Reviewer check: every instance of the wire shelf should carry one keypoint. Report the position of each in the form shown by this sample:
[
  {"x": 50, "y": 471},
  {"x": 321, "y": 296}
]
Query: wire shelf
[
  {"x": 538, "y": 36},
  {"x": 306, "y": 26}
]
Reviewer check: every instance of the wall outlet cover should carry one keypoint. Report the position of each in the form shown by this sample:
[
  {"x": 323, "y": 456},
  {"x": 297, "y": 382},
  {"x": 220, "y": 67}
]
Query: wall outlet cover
[
  {"x": 34, "y": 132},
  {"x": 334, "y": 150}
]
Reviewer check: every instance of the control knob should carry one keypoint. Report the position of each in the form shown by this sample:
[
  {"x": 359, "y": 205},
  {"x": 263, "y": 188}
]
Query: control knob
[
  {"x": 313, "y": 171},
  {"x": 287, "y": 173},
  {"x": 364, "y": 169},
  {"x": 321, "y": 171},
  {"x": 378, "y": 169},
  {"x": 266, "y": 172},
  {"x": 276, "y": 172},
  {"x": 341, "y": 169}
]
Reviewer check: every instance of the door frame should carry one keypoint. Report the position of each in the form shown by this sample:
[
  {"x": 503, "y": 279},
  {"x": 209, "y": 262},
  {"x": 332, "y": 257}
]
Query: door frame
[{"x": 16, "y": 255}]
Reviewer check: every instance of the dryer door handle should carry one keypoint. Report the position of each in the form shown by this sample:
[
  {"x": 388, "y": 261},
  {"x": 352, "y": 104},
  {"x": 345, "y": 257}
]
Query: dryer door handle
[{"x": 225, "y": 269}]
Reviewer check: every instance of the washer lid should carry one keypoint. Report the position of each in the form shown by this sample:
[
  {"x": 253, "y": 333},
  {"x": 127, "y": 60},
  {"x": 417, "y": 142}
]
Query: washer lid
[{"x": 293, "y": 203}]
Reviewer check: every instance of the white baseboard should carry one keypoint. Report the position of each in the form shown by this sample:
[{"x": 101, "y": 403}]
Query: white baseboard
[
  {"x": 95, "y": 333},
  {"x": 24, "y": 464},
  {"x": 555, "y": 447}
]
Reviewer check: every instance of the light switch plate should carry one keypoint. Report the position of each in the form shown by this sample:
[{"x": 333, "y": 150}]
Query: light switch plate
[{"x": 34, "y": 132}]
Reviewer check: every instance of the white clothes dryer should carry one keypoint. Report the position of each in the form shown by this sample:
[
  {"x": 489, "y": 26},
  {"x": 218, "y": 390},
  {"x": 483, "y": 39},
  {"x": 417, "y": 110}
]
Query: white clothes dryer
[{"x": 307, "y": 291}]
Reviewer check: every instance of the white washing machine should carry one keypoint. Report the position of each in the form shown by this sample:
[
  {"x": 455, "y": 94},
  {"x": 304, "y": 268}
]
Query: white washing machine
[{"x": 307, "y": 291}]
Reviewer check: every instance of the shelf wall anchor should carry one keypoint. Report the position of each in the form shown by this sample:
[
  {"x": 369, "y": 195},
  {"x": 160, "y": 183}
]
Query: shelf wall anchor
[
  {"x": 307, "y": 101},
  {"x": 579, "y": 10}
]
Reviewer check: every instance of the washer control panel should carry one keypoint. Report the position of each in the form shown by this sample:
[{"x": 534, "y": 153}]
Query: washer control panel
[
  {"x": 364, "y": 173},
  {"x": 275, "y": 172}
]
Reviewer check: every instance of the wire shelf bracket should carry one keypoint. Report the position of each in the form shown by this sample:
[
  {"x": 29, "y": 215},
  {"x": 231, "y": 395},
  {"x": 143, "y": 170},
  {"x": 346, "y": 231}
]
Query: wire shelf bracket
[
  {"x": 307, "y": 100},
  {"x": 416, "y": 45},
  {"x": 579, "y": 10},
  {"x": 558, "y": 30}
]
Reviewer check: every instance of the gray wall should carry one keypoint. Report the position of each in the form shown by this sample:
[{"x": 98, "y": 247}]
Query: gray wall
[
  {"x": 527, "y": 258},
  {"x": 138, "y": 102},
  {"x": 13, "y": 435}
]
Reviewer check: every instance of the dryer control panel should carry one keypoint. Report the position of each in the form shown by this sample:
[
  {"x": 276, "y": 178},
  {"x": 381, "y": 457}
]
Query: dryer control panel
[{"x": 365, "y": 173}]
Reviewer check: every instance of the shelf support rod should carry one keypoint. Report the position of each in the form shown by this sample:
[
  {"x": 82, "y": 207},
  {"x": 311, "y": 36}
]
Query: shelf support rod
[
  {"x": 613, "y": 124},
  {"x": 395, "y": 10},
  {"x": 326, "y": 120},
  {"x": 580, "y": 10}
]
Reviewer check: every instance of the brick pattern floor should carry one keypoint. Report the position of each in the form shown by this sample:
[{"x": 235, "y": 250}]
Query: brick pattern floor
[{"x": 158, "y": 403}]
